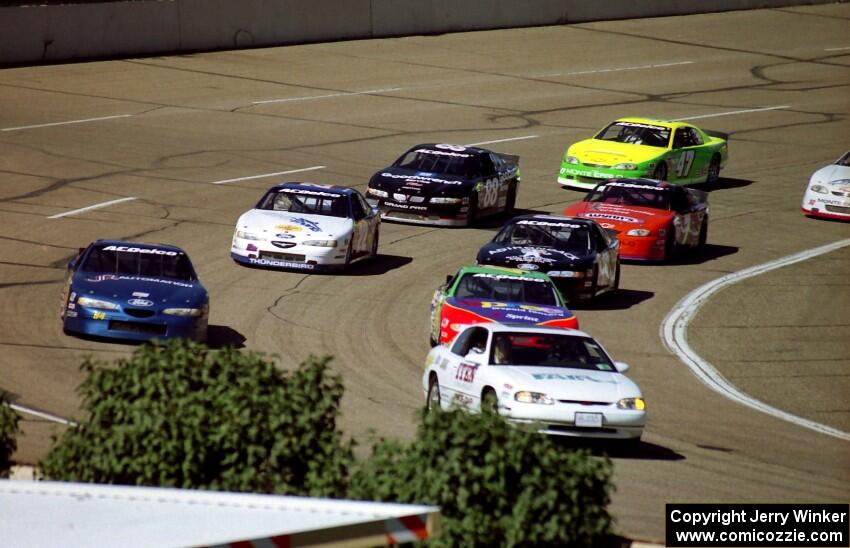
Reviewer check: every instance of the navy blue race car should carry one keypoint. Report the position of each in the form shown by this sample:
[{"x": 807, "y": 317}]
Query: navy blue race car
[
  {"x": 447, "y": 185},
  {"x": 581, "y": 257},
  {"x": 135, "y": 291}
]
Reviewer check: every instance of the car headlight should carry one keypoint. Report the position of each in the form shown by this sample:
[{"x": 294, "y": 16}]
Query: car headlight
[
  {"x": 88, "y": 302},
  {"x": 241, "y": 234},
  {"x": 639, "y": 232},
  {"x": 533, "y": 397},
  {"x": 320, "y": 243},
  {"x": 379, "y": 193},
  {"x": 571, "y": 159},
  {"x": 627, "y": 166},
  {"x": 820, "y": 189},
  {"x": 444, "y": 200},
  {"x": 637, "y": 404},
  {"x": 184, "y": 311}
]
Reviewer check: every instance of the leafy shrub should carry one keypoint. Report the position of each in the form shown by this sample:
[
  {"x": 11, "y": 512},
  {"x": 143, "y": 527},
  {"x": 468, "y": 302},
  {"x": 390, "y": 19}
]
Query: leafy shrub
[
  {"x": 9, "y": 429},
  {"x": 496, "y": 484},
  {"x": 179, "y": 414}
]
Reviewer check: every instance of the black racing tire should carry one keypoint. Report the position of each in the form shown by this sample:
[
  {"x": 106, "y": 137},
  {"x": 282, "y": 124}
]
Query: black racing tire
[
  {"x": 670, "y": 245},
  {"x": 713, "y": 172},
  {"x": 703, "y": 234},
  {"x": 510, "y": 202},
  {"x": 349, "y": 253},
  {"x": 432, "y": 403},
  {"x": 489, "y": 401},
  {"x": 374, "y": 252},
  {"x": 660, "y": 172},
  {"x": 472, "y": 212},
  {"x": 617, "y": 277}
]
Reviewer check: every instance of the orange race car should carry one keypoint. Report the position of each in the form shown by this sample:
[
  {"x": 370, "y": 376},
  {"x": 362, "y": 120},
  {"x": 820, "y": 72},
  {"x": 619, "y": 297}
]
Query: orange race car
[{"x": 652, "y": 219}]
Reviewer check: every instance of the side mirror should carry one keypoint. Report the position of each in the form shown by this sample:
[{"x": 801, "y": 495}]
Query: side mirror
[{"x": 621, "y": 367}]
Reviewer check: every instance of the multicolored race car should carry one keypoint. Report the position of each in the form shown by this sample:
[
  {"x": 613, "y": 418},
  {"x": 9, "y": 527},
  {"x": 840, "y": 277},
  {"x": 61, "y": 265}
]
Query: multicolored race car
[
  {"x": 641, "y": 147},
  {"x": 652, "y": 219},
  {"x": 828, "y": 193},
  {"x": 483, "y": 294},
  {"x": 446, "y": 185},
  {"x": 134, "y": 291},
  {"x": 304, "y": 226}
]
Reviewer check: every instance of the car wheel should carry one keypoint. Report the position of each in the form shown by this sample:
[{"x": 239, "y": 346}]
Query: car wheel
[
  {"x": 510, "y": 203},
  {"x": 713, "y": 172},
  {"x": 472, "y": 212},
  {"x": 349, "y": 252},
  {"x": 374, "y": 252},
  {"x": 489, "y": 402},
  {"x": 433, "y": 402},
  {"x": 703, "y": 233},
  {"x": 661, "y": 172},
  {"x": 670, "y": 244}
]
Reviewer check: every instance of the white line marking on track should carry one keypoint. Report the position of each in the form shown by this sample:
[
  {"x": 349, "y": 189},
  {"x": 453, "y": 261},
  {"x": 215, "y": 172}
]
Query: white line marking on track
[
  {"x": 311, "y": 97},
  {"x": 618, "y": 69},
  {"x": 674, "y": 333},
  {"x": 266, "y": 175},
  {"x": 503, "y": 140},
  {"x": 41, "y": 414},
  {"x": 89, "y": 208},
  {"x": 68, "y": 122},
  {"x": 730, "y": 113},
  {"x": 837, "y": 49}
]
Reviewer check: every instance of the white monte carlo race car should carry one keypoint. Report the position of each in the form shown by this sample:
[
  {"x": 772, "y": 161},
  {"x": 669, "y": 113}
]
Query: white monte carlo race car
[
  {"x": 560, "y": 380},
  {"x": 828, "y": 193},
  {"x": 303, "y": 226}
]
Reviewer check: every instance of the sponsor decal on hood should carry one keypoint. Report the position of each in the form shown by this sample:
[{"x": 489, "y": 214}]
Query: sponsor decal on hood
[
  {"x": 120, "y": 278},
  {"x": 510, "y": 312},
  {"x": 533, "y": 254}
]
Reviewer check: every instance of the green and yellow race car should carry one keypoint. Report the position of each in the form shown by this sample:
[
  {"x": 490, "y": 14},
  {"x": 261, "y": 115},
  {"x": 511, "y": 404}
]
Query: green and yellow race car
[{"x": 641, "y": 147}]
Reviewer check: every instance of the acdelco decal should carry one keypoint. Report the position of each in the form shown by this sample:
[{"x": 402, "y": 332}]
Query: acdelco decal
[{"x": 143, "y": 250}]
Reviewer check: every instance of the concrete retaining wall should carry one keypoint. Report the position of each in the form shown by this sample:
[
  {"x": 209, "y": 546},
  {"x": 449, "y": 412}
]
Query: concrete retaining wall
[{"x": 34, "y": 34}]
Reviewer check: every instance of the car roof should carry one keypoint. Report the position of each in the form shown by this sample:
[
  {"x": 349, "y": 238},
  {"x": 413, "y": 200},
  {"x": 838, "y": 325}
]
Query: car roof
[
  {"x": 143, "y": 245},
  {"x": 293, "y": 185},
  {"x": 652, "y": 121},
  {"x": 503, "y": 270},
  {"x": 466, "y": 148},
  {"x": 640, "y": 181},
  {"x": 531, "y": 329}
]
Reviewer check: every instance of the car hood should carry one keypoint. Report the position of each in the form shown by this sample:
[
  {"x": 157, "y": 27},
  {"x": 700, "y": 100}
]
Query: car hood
[
  {"x": 529, "y": 257},
  {"x": 567, "y": 383},
  {"x": 417, "y": 182},
  {"x": 831, "y": 173},
  {"x": 124, "y": 288},
  {"x": 620, "y": 217},
  {"x": 294, "y": 226},
  {"x": 511, "y": 312},
  {"x": 609, "y": 153}
]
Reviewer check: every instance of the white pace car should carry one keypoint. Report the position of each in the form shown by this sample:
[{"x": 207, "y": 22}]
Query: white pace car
[
  {"x": 560, "y": 380},
  {"x": 828, "y": 193},
  {"x": 307, "y": 227}
]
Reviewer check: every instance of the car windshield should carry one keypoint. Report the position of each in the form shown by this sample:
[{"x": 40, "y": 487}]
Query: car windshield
[
  {"x": 844, "y": 160},
  {"x": 139, "y": 261},
  {"x": 304, "y": 201},
  {"x": 631, "y": 195},
  {"x": 636, "y": 134},
  {"x": 447, "y": 162},
  {"x": 565, "y": 236},
  {"x": 548, "y": 350},
  {"x": 507, "y": 288}
]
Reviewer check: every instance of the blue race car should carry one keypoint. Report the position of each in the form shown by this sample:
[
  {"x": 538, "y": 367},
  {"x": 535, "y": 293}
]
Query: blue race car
[
  {"x": 134, "y": 291},
  {"x": 445, "y": 185}
]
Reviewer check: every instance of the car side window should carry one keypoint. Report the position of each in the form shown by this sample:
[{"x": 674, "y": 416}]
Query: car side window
[
  {"x": 364, "y": 204},
  {"x": 357, "y": 211},
  {"x": 696, "y": 140},
  {"x": 680, "y": 202},
  {"x": 462, "y": 343},
  {"x": 498, "y": 163},
  {"x": 475, "y": 337},
  {"x": 487, "y": 168},
  {"x": 600, "y": 238},
  {"x": 680, "y": 139}
]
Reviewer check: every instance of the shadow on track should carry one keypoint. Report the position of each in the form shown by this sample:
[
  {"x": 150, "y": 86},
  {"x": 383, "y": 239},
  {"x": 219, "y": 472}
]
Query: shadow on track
[
  {"x": 619, "y": 300},
  {"x": 219, "y": 336},
  {"x": 708, "y": 253},
  {"x": 619, "y": 449},
  {"x": 723, "y": 183},
  {"x": 381, "y": 264}
]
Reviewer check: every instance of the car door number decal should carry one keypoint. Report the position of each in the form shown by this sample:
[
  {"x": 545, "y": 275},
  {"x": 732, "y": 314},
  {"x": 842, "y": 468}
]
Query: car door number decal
[
  {"x": 466, "y": 372},
  {"x": 686, "y": 159},
  {"x": 490, "y": 193}
]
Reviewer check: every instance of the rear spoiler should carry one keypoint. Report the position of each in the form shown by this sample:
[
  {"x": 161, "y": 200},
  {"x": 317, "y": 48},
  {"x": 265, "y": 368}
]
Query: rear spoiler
[
  {"x": 510, "y": 159},
  {"x": 718, "y": 134}
]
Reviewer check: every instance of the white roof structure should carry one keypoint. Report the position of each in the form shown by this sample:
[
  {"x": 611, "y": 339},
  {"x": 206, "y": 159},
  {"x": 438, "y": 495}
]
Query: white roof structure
[{"x": 48, "y": 514}]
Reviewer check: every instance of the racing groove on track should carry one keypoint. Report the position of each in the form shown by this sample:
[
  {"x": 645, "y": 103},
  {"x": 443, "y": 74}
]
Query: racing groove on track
[{"x": 202, "y": 118}]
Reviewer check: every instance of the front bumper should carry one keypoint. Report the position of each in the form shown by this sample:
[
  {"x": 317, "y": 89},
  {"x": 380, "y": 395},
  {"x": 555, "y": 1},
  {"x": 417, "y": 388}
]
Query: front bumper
[
  {"x": 115, "y": 324},
  {"x": 826, "y": 206},
  {"x": 298, "y": 257},
  {"x": 581, "y": 176},
  {"x": 558, "y": 419},
  {"x": 421, "y": 213},
  {"x": 642, "y": 248}
]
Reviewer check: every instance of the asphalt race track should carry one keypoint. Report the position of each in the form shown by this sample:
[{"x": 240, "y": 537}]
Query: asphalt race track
[{"x": 162, "y": 130}]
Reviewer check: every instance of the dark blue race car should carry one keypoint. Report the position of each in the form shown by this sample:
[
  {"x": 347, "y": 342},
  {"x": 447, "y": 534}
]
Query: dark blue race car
[
  {"x": 135, "y": 291},
  {"x": 448, "y": 185}
]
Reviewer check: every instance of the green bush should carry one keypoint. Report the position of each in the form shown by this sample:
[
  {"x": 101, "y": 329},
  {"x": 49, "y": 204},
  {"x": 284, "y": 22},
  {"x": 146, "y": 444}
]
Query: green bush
[
  {"x": 9, "y": 429},
  {"x": 497, "y": 485},
  {"x": 179, "y": 414}
]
